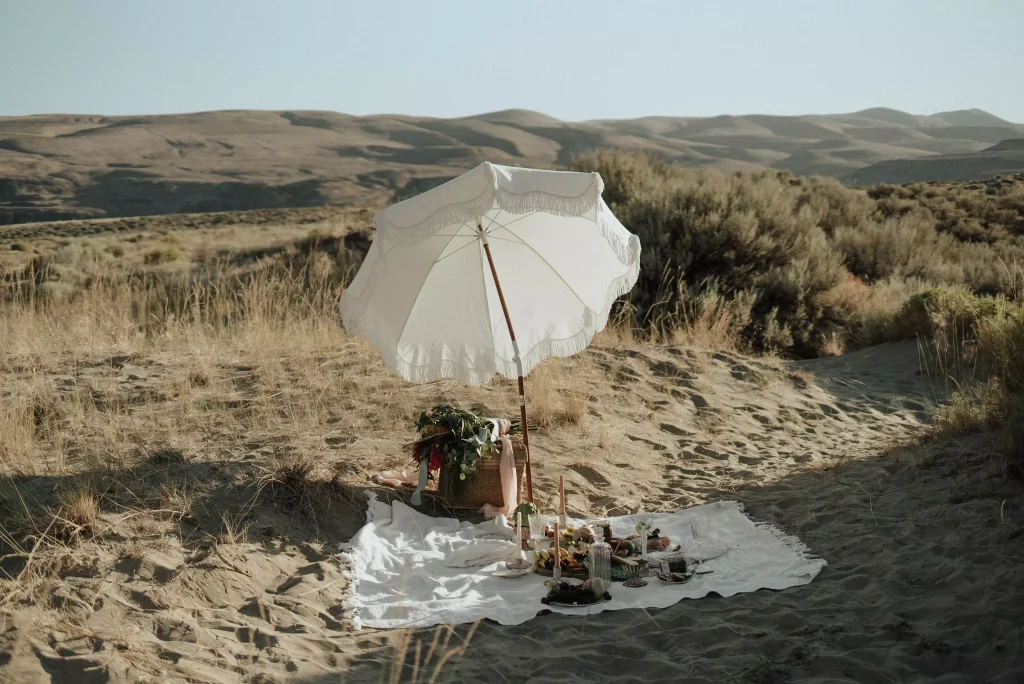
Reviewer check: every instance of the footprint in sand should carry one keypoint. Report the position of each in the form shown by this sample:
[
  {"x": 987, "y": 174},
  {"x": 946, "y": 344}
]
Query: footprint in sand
[
  {"x": 168, "y": 628},
  {"x": 672, "y": 429},
  {"x": 256, "y": 637},
  {"x": 743, "y": 373},
  {"x": 829, "y": 410},
  {"x": 667, "y": 369},
  {"x": 591, "y": 475},
  {"x": 849, "y": 408},
  {"x": 679, "y": 394},
  {"x": 710, "y": 453},
  {"x": 654, "y": 445}
]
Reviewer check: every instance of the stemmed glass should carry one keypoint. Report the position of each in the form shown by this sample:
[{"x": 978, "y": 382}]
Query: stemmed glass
[
  {"x": 537, "y": 524},
  {"x": 700, "y": 528}
]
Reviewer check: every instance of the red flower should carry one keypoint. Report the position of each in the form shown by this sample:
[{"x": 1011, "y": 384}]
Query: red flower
[
  {"x": 417, "y": 452},
  {"x": 435, "y": 457}
]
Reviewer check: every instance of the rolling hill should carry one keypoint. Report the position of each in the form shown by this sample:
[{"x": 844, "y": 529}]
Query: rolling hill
[
  {"x": 1004, "y": 158},
  {"x": 83, "y": 166}
]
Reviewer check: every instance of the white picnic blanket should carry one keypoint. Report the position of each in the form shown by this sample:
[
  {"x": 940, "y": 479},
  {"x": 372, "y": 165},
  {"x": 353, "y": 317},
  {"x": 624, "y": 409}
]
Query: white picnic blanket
[{"x": 398, "y": 577}]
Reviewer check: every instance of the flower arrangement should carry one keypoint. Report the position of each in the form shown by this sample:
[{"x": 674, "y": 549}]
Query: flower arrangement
[{"x": 456, "y": 438}]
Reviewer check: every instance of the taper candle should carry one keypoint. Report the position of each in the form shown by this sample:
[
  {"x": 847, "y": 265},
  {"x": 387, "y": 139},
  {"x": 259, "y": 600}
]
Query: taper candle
[
  {"x": 556, "y": 573},
  {"x": 519, "y": 530}
]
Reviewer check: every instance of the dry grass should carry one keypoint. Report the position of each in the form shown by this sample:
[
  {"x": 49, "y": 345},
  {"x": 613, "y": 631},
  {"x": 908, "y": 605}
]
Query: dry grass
[
  {"x": 576, "y": 404},
  {"x": 79, "y": 511},
  {"x": 832, "y": 344},
  {"x": 419, "y": 661}
]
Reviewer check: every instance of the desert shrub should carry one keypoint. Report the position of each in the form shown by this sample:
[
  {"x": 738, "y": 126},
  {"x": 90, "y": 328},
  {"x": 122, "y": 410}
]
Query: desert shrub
[
  {"x": 998, "y": 403},
  {"x": 164, "y": 255},
  {"x": 821, "y": 265},
  {"x": 745, "y": 233},
  {"x": 943, "y": 309}
]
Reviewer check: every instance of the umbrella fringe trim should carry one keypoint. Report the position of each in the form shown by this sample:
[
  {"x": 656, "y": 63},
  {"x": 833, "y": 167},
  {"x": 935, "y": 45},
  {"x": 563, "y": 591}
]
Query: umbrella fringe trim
[
  {"x": 494, "y": 196},
  {"x": 457, "y": 368}
]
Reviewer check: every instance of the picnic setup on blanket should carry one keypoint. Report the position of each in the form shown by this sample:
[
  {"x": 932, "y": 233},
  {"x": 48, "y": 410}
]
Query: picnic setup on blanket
[{"x": 429, "y": 298}]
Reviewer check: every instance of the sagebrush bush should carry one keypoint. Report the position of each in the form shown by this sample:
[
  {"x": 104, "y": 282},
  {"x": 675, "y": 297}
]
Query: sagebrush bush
[
  {"x": 813, "y": 261},
  {"x": 164, "y": 255}
]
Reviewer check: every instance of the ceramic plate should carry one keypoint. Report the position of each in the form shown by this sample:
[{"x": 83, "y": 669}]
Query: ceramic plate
[{"x": 509, "y": 574}]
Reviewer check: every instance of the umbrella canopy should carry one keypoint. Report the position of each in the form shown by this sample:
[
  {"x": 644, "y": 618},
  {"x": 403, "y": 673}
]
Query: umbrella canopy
[
  {"x": 425, "y": 298},
  {"x": 428, "y": 294}
]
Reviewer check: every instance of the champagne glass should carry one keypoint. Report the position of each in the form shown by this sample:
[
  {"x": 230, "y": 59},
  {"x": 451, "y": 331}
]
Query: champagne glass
[{"x": 700, "y": 529}]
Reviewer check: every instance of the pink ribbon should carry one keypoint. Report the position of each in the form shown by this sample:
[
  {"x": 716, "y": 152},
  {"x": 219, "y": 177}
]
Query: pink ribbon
[{"x": 507, "y": 473}]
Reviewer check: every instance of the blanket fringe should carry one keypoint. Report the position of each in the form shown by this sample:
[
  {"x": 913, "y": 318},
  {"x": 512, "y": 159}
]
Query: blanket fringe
[
  {"x": 349, "y": 607},
  {"x": 792, "y": 542}
]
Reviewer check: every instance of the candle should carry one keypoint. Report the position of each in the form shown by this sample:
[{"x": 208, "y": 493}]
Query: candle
[
  {"x": 519, "y": 530},
  {"x": 557, "y": 571}
]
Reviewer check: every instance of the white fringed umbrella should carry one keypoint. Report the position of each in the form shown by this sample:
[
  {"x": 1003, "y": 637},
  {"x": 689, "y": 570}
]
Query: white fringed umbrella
[{"x": 428, "y": 296}]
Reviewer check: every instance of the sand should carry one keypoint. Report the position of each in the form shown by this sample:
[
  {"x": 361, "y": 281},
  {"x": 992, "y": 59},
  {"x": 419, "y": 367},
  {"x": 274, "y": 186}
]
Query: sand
[{"x": 925, "y": 544}]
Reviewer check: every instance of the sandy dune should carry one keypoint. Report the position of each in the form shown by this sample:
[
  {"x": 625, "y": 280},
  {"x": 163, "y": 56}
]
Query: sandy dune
[{"x": 924, "y": 544}]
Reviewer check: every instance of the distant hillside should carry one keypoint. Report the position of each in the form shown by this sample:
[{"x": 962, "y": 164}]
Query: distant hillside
[
  {"x": 79, "y": 166},
  {"x": 1003, "y": 158}
]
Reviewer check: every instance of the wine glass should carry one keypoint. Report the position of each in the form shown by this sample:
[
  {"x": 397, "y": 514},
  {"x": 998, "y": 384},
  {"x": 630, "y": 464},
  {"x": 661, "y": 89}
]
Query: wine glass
[
  {"x": 700, "y": 528},
  {"x": 537, "y": 524}
]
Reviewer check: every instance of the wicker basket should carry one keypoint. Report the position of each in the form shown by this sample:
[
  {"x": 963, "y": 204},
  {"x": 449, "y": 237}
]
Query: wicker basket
[{"x": 486, "y": 488}]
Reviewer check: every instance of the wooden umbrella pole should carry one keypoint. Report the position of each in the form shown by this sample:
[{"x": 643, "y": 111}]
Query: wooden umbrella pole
[{"x": 518, "y": 360}]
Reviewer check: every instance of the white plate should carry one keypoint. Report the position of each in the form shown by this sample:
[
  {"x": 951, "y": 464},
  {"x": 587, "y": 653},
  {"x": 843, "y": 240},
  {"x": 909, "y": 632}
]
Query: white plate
[{"x": 510, "y": 574}]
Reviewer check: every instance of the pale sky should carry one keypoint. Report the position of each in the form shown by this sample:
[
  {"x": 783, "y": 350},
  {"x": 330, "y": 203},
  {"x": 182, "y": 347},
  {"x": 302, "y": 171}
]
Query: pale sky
[{"x": 574, "y": 60}]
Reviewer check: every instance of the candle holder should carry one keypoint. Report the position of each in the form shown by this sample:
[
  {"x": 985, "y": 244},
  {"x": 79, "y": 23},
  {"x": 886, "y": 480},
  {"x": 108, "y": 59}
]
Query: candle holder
[{"x": 519, "y": 562}]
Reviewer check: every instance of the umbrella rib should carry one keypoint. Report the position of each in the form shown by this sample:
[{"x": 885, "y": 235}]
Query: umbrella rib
[
  {"x": 450, "y": 238},
  {"x": 422, "y": 285},
  {"x": 440, "y": 259},
  {"x": 494, "y": 220},
  {"x": 515, "y": 242},
  {"x": 554, "y": 270}
]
